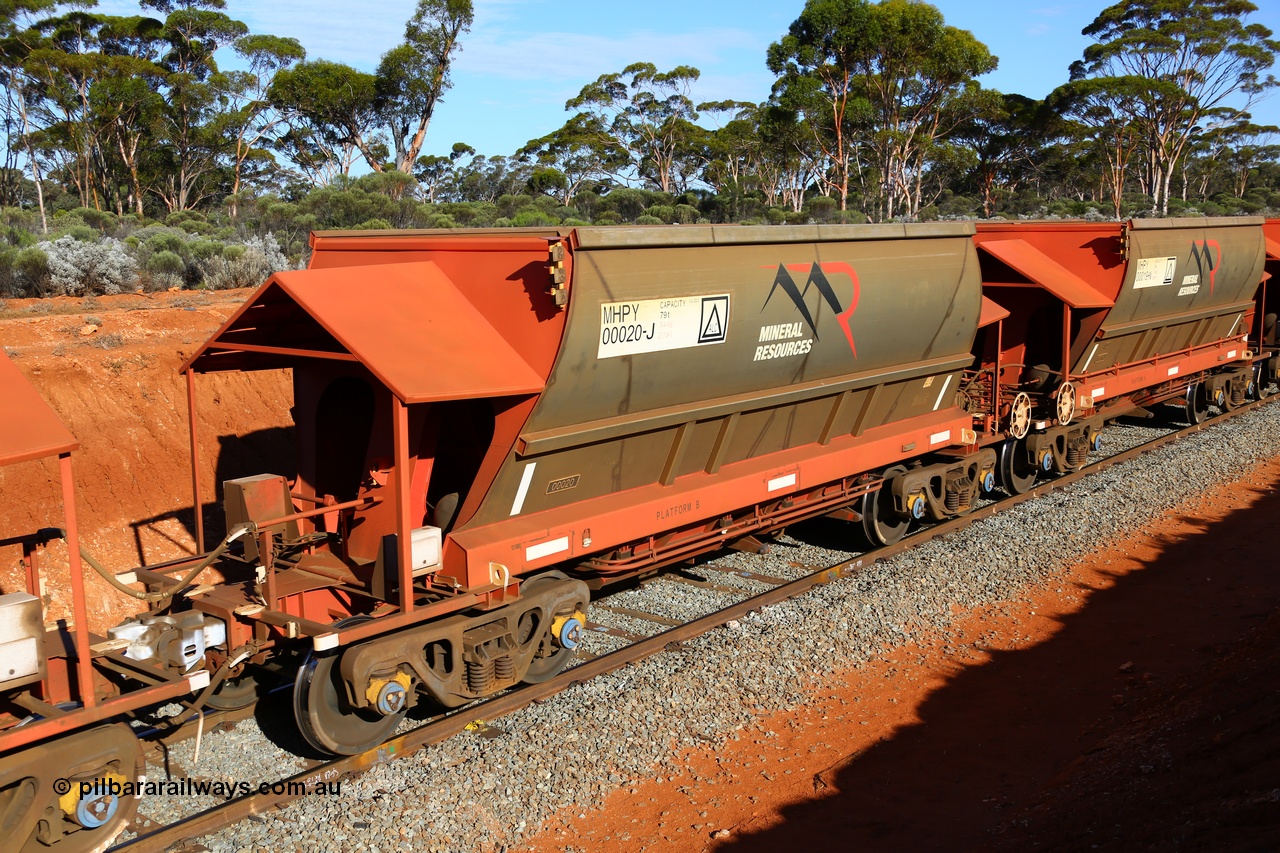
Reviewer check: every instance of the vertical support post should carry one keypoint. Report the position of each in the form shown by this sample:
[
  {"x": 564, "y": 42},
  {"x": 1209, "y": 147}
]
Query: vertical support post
[
  {"x": 266, "y": 558},
  {"x": 32, "y": 569},
  {"x": 1066, "y": 342},
  {"x": 1262, "y": 317},
  {"x": 195, "y": 460},
  {"x": 404, "y": 523},
  {"x": 995, "y": 386},
  {"x": 79, "y": 609}
]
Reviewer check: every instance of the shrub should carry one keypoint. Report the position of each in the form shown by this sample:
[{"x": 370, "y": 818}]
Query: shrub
[
  {"x": 201, "y": 249},
  {"x": 166, "y": 262},
  {"x": 111, "y": 341},
  {"x": 373, "y": 225},
  {"x": 31, "y": 271},
  {"x": 77, "y": 268},
  {"x": 529, "y": 218},
  {"x": 244, "y": 266},
  {"x": 101, "y": 220},
  {"x": 821, "y": 208},
  {"x": 685, "y": 214},
  {"x": 646, "y": 219},
  {"x": 168, "y": 242}
]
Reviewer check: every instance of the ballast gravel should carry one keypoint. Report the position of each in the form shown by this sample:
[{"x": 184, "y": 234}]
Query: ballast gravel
[{"x": 488, "y": 789}]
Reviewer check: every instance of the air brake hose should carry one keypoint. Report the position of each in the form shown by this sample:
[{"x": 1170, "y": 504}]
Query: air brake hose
[{"x": 161, "y": 595}]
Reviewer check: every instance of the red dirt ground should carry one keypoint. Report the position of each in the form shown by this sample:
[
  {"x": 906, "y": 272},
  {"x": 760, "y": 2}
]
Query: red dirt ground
[
  {"x": 1132, "y": 705},
  {"x": 119, "y": 392}
]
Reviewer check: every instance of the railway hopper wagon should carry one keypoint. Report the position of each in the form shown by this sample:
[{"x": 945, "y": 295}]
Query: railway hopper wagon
[
  {"x": 1102, "y": 319},
  {"x": 63, "y": 759},
  {"x": 1268, "y": 305},
  {"x": 491, "y": 423}
]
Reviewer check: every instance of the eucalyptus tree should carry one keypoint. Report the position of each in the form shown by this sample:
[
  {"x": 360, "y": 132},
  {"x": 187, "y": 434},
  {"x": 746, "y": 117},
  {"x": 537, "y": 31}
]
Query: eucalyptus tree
[
  {"x": 193, "y": 32},
  {"x": 253, "y": 120},
  {"x": 1177, "y": 68},
  {"x": 1105, "y": 106},
  {"x": 412, "y": 77},
  {"x": 582, "y": 152},
  {"x": 650, "y": 113},
  {"x": 894, "y": 71},
  {"x": 1004, "y": 133},
  {"x": 18, "y": 36},
  {"x": 332, "y": 104}
]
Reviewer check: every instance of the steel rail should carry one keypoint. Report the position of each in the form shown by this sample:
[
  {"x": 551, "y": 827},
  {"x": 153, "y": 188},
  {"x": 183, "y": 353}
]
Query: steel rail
[{"x": 439, "y": 729}]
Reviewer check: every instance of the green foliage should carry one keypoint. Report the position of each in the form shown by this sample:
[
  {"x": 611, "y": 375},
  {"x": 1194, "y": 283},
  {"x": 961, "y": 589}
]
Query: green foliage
[
  {"x": 168, "y": 242},
  {"x": 662, "y": 212},
  {"x": 530, "y": 218},
  {"x": 166, "y": 262}
]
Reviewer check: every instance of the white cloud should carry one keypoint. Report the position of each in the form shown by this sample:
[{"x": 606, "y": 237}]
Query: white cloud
[{"x": 580, "y": 57}]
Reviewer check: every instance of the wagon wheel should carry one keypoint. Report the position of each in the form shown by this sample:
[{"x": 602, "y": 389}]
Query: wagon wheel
[
  {"x": 1017, "y": 475},
  {"x": 880, "y": 525},
  {"x": 41, "y": 791},
  {"x": 326, "y": 718},
  {"x": 235, "y": 693},
  {"x": 1020, "y": 415},
  {"x": 1066, "y": 403},
  {"x": 552, "y": 656},
  {"x": 1197, "y": 406},
  {"x": 1261, "y": 384}
]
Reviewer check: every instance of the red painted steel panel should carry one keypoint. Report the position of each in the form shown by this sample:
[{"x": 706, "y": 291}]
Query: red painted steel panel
[
  {"x": 1048, "y": 273},
  {"x": 991, "y": 313},
  {"x": 29, "y": 429},
  {"x": 407, "y": 323}
]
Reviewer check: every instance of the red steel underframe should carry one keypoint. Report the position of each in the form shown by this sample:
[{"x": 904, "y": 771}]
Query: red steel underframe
[
  {"x": 532, "y": 542},
  {"x": 1120, "y": 380},
  {"x": 92, "y": 710}
]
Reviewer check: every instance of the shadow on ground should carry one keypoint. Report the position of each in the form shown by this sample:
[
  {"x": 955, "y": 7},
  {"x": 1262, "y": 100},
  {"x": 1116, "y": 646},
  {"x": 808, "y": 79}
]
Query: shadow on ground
[{"x": 992, "y": 763}]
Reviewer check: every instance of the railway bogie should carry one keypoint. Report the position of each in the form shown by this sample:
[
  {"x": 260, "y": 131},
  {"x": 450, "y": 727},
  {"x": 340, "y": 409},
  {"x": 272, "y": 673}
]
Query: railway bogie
[{"x": 70, "y": 794}]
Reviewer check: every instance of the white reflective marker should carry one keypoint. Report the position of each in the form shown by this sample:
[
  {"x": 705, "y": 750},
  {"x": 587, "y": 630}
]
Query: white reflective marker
[{"x": 525, "y": 479}]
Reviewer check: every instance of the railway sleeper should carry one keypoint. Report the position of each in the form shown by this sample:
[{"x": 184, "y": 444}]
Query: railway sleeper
[{"x": 466, "y": 657}]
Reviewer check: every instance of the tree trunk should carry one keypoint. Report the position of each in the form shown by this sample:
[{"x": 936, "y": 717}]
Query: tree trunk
[{"x": 35, "y": 164}]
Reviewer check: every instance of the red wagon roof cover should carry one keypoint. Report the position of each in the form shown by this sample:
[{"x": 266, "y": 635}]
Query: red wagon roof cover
[
  {"x": 29, "y": 428},
  {"x": 407, "y": 323},
  {"x": 1048, "y": 273},
  {"x": 992, "y": 312}
]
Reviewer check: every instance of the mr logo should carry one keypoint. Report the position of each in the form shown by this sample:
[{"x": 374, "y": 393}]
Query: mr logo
[
  {"x": 1205, "y": 259},
  {"x": 818, "y": 279}
]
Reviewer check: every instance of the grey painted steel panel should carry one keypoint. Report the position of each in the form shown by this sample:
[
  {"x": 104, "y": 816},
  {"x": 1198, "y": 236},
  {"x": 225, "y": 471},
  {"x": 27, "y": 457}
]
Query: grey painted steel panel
[
  {"x": 1215, "y": 267},
  {"x": 911, "y": 299}
]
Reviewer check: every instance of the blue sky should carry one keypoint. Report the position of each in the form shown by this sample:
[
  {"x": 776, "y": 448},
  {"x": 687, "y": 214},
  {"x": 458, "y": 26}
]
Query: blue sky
[{"x": 524, "y": 58}]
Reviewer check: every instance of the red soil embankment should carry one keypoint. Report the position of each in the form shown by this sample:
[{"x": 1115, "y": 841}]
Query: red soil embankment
[{"x": 119, "y": 392}]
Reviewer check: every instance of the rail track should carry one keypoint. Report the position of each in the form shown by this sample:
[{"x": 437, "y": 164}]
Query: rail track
[{"x": 669, "y": 632}]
